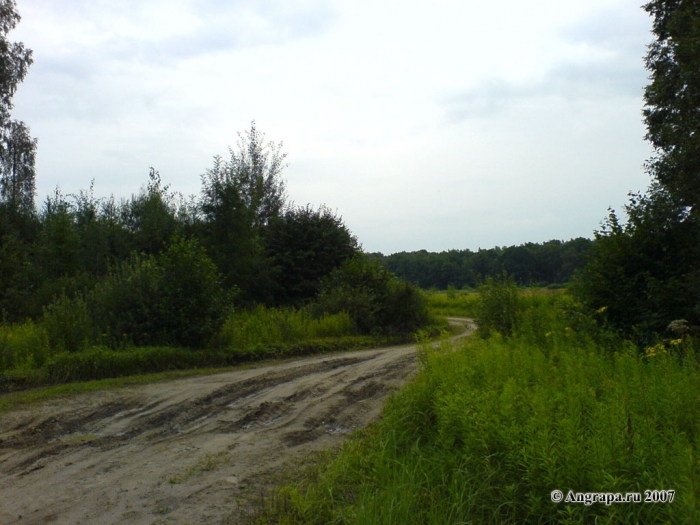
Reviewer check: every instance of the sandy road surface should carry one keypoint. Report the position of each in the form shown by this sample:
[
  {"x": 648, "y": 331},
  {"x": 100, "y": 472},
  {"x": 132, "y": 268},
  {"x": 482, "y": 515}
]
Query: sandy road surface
[{"x": 188, "y": 450}]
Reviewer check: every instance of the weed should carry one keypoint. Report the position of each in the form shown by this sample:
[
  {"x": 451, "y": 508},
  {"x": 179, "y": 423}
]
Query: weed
[{"x": 490, "y": 427}]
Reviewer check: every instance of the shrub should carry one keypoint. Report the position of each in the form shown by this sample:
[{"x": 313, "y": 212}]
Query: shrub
[
  {"x": 67, "y": 324},
  {"x": 192, "y": 308},
  {"x": 23, "y": 346},
  {"x": 125, "y": 303},
  {"x": 375, "y": 299},
  {"x": 499, "y": 306},
  {"x": 175, "y": 298}
]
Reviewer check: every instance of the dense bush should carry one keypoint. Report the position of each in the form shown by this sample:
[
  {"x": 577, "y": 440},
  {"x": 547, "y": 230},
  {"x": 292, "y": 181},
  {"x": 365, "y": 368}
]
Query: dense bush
[
  {"x": 499, "y": 306},
  {"x": 192, "y": 306},
  {"x": 125, "y": 304},
  {"x": 174, "y": 298},
  {"x": 375, "y": 299},
  {"x": 644, "y": 274},
  {"x": 306, "y": 245},
  {"x": 68, "y": 324}
]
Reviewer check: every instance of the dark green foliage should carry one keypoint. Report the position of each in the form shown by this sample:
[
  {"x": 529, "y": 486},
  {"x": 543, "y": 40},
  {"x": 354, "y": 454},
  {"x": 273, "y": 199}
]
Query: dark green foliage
[
  {"x": 150, "y": 216},
  {"x": 239, "y": 199},
  {"x": 255, "y": 170},
  {"x": 529, "y": 264},
  {"x": 15, "y": 59},
  {"x": 104, "y": 237},
  {"x": 59, "y": 242},
  {"x": 305, "y": 245},
  {"x": 175, "y": 298},
  {"x": 125, "y": 304},
  {"x": 68, "y": 324},
  {"x": 672, "y": 99},
  {"x": 17, "y": 147},
  {"x": 192, "y": 304},
  {"x": 645, "y": 274},
  {"x": 498, "y": 309},
  {"x": 374, "y": 298},
  {"x": 228, "y": 230},
  {"x": 17, "y": 277}
]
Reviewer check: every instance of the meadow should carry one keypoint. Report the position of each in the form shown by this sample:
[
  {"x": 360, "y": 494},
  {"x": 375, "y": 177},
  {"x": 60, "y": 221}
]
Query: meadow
[{"x": 492, "y": 425}]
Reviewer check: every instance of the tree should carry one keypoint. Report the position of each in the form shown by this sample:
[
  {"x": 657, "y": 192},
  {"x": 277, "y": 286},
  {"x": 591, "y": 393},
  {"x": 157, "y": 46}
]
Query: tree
[
  {"x": 376, "y": 300},
  {"x": 646, "y": 273},
  {"x": 305, "y": 246},
  {"x": 255, "y": 173},
  {"x": 239, "y": 198},
  {"x": 150, "y": 216},
  {"x": 672, "y": 111},
  {"x": 17, "y": 147}
]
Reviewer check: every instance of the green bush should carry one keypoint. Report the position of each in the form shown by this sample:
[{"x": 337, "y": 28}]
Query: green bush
[
  {"x": 68, "y": 324},
  {"x": 23, "y": 346},
  {"x": 175, "y": 298},
  {"x": 192, "y": 306},
  {"x": 376, "y": 300},
  {"x": 499, "y": 306},
  {"x": 125, "y": 304}
]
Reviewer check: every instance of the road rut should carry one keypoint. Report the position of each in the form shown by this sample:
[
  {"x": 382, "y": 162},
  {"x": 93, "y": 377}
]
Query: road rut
[{"x": 185, "y": 451}]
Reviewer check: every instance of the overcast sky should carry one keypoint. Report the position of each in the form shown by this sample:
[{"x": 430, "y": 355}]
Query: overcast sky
[{"x": 439, "y": 125}]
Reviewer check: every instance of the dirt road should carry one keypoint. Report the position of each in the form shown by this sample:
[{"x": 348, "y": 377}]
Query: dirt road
[{"x": 184, "y": 451}]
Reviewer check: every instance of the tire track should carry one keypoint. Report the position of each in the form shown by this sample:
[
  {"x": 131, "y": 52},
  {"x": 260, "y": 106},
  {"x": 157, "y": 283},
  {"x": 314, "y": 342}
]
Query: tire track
[{"x": 188, "y": 450}]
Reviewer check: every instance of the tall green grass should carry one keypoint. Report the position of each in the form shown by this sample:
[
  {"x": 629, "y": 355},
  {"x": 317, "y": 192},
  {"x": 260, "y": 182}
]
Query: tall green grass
[
  {"x": 58, "y": 349},
  {"x": 453, "y": 303},
  {"x": 278, "y": 325},
  {"x": 23, "y": 346},
  {"x": 490, "y": 427}
]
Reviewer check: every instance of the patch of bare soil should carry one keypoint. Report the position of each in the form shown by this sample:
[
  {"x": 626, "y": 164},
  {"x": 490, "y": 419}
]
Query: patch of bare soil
[{"x": 185, "y": 451}]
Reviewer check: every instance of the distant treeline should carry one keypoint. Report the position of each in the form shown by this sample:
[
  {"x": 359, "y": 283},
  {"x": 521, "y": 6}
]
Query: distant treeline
[{"x": 552, "y": 262}]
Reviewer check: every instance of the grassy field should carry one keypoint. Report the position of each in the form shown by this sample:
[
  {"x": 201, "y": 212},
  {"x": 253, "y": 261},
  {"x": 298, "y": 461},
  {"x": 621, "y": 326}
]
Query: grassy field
[{"x": 492, "y": 425}]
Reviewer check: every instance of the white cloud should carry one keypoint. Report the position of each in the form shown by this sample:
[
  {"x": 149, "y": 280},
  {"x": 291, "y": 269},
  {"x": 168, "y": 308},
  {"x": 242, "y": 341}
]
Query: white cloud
[{"x": 448, "y": 125}]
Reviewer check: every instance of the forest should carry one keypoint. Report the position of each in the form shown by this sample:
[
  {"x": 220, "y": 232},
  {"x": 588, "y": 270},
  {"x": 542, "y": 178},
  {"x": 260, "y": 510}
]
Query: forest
[{"x": 530, "y": 264}]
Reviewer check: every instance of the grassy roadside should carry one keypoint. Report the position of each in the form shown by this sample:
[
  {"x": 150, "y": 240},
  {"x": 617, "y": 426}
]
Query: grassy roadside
[
  {"x": 80, "y": 367},
  {"x": 492, "y": 425},
  {"x": 32, "y": 355}
]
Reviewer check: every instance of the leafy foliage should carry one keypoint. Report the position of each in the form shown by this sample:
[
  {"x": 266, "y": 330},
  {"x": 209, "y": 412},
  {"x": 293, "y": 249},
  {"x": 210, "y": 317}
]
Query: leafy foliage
[
  {"x": 645, "y": 273},
  {"x": 125, "y": 304},
  {"x": 192, "y": 305},
  {"x": 375, "y": 299},
  {"x": 672, "y": 110},
  {"x": 305, "y": 245},
  {"x": 499, "y": 306},
  {"x": 175, "y": 298}
]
